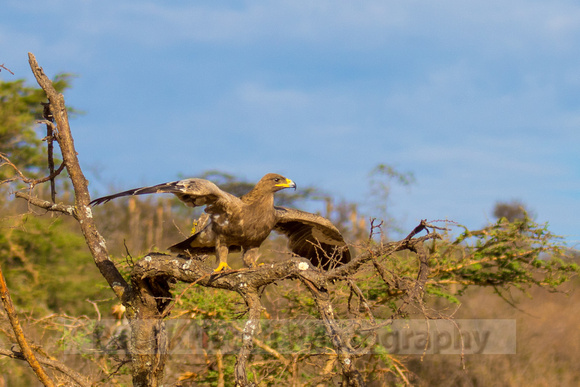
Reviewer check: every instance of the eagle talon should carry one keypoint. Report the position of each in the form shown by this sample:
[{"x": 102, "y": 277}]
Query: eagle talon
[
  {"x": 254, "y": 266},
  {"x": 223, "y": 266}
]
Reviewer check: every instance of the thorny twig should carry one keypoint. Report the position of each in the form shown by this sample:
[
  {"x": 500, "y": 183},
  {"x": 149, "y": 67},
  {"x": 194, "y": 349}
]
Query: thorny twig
[{"x": 375, "y": 227}]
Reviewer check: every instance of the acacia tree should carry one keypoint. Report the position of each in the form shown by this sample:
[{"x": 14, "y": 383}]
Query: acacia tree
[{"x": 502, "y": 255}]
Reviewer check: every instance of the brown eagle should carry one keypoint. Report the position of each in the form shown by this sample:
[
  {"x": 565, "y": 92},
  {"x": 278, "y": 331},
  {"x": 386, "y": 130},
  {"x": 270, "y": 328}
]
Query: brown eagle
[{"x": 233, "y": 224}]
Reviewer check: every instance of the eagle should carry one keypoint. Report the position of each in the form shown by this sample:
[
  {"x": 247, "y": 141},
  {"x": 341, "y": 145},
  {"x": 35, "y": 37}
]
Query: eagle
[{"x": 232, "y": 223}]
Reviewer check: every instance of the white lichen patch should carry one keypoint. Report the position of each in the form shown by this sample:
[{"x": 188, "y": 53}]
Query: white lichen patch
[
  {"x": 250, "y": 327},
  {"x": 147, "y": 258},
  {"x": 303, "y": 266},
  {"x": 186, "y": 265},
  {"x": 88, "y": 212}
]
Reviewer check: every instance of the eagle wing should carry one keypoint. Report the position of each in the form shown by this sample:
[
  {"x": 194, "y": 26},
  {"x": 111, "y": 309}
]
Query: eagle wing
[
  {"x": 312, "y": 236},
  {"x": 193, "y": 192}
]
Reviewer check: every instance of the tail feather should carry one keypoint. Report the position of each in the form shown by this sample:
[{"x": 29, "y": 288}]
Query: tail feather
[
  {"x": 185, "y": 245},
  {"x": 194, "y": 247}
]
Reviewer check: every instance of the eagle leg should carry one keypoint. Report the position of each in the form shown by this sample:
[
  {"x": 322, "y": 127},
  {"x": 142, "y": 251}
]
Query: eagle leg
[
  {"x": 221, "y": 252},
  {"x": 251, "y": 256}
]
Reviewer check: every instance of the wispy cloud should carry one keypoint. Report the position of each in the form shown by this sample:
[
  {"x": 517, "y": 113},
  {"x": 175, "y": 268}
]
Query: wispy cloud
[{"x": 479, "y": 99}]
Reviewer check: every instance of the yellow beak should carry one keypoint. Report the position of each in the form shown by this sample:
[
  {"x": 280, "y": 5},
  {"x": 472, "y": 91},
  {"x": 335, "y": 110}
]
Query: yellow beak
[{"x": 288, "y": 184}]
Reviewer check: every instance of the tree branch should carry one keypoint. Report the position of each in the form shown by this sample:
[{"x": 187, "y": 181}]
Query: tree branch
[
  {"x": 251, "y": 327},
  {"x": 19, "y": 333},
  {"x": 344, "y": 351},
  {"x": 49, "y": 206},
  {"x": 27, "y": 180},
  {"x": 84, "y": 215},
  {"x": 347, "y": 270},
  {"x": 54, "y": 364}
]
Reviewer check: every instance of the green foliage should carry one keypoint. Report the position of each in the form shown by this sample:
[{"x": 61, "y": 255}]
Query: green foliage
[
  {"x": 20, "y": 106},
  {"x": 47, "y": 266},
  {"x": 202, "y": 303},
  {"x": 517, "y": 254}
]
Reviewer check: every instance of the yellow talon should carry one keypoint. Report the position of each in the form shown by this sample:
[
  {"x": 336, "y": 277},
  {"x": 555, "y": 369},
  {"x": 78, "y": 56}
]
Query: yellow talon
[{"x": 222, "y": 267}]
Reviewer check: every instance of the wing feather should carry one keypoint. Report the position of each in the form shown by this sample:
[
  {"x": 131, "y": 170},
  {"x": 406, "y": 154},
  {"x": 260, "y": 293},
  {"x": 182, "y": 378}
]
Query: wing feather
[
  {"x": 312, "y": 236},
  {"x": 193, "y": 192}
]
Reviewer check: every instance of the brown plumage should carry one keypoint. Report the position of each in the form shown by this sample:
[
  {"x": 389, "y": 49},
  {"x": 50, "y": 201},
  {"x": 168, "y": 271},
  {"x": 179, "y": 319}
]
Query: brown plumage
[{"x": 232, "y": 224}]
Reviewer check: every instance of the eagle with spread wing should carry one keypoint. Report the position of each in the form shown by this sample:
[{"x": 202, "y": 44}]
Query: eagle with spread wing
[{"x": 233, "y": 224}]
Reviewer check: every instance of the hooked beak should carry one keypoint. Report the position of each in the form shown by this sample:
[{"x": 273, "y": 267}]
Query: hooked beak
[{"x": 288, "y": 184}]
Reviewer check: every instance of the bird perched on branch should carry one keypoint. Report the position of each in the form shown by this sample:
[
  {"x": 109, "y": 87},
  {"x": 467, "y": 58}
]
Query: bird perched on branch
[{"x": 233, "y": 224}]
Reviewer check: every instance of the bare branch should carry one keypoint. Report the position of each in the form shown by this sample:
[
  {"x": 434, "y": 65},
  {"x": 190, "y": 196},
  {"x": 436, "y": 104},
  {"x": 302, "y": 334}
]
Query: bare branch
[
  {"x": 6, "y": 68},
  {"x": 344, "y": 271},
  {"x": 27, "y": 180},
  {"x": 19, "y": 333},
  {"x": 251, "y": 327},
  {"x": 50, "y": 147},
  {"x": 54, "y": 364},
  {"x": 49, "y": 206},
  {"x": 84, "y": 215},
  {"x": 344, "y": 351}
]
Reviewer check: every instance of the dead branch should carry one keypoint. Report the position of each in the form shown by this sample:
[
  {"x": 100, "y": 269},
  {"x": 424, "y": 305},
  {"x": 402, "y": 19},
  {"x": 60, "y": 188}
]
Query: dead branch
[
  {"x": 259, "y": 343},
  {"x": 49, "y": 206},
  {"x": 341, "y": 343},
  {"x": 19, "y": 333},
  {"x": 95, "y": 241},
  {"x": 27, "y": 180},
  {"x": 50, "y": 147},
  {"x": 54, "y": 364},
  {"x": 344, "y": 271},
  {"x": 6, "y": 68},
  {"x": 251, "y": 327}
]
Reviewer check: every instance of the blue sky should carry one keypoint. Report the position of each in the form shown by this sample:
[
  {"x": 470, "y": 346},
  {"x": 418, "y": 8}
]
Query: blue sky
[{"x": 480, "y": 100}]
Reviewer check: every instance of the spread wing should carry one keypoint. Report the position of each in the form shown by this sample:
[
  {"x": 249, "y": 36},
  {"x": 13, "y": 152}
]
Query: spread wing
[
  {"x": 193, "y": 192},
  {"x": 312, "y": 236}
]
